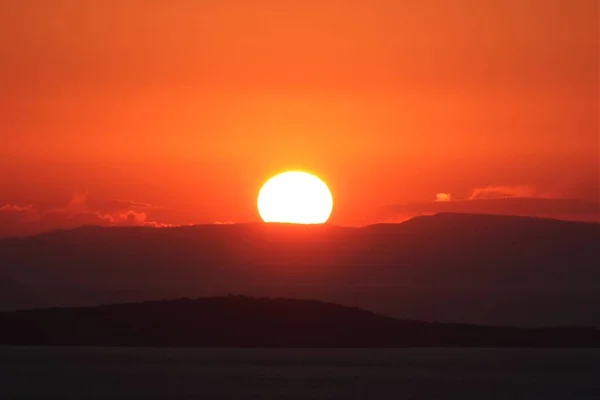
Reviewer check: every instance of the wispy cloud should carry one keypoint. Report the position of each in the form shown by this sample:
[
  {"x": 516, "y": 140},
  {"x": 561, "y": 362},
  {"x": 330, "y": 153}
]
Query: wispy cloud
[
  {"x": 119, "y": 205},
  {"x": 495, "y": 192},
  {"x": 15, "y": 208},
  {"x": 502, "y": 200}
]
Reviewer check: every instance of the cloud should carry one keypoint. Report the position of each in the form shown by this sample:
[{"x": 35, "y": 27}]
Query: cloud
[
  {"x": 13, "y": 215},
  {"x": 499, "y": 200},
  {"x": 21, "y": 220},
  {"x": 15, "y": 208},
  {"x": 121, "y": 205},
  {"x": 442, "y": 197},
  {"x": 495, "y": 192},
  {"x": 77, "y": 204}
]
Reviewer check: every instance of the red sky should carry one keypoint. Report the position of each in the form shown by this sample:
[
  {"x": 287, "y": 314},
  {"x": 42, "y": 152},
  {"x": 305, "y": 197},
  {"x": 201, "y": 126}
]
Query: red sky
[{"x": 177, "y": 111}]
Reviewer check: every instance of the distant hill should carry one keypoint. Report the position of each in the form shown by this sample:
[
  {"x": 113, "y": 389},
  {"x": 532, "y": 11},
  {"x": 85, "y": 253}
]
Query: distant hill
[
  {"x": 238, "y": 321},
  {"x": 448, "y": 267}
]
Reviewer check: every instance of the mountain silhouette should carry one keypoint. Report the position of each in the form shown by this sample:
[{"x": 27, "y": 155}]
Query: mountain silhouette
[
  {"x": 239, "y": 321},
  {"x": 447, "y": 267}
]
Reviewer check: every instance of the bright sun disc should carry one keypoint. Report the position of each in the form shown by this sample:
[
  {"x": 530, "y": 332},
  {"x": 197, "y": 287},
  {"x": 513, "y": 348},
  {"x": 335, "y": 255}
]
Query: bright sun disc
[{"x": 295, "y": 197}]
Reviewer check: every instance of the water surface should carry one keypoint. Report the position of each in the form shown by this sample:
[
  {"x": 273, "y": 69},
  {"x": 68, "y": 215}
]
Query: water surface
[{"x": 141, "y": 373}]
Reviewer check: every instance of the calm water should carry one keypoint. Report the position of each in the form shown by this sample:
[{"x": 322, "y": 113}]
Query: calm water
[{"x": 131, "y": 373}]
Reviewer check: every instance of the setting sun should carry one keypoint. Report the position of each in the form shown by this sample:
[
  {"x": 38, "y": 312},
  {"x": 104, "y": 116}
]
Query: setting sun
[{"x": 295, "y": 197}]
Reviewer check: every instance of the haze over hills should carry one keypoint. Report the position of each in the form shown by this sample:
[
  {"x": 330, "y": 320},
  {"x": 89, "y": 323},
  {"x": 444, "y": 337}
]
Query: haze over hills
[
  {"x": 239, "y": 321},
  {"x": 447, "y": 267}
]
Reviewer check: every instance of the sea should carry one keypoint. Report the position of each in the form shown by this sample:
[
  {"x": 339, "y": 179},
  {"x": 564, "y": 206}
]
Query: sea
[{"x": 164, "y": 373}]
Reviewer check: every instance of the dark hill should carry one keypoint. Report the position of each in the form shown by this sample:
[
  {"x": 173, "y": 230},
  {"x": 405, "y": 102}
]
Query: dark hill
[
  {"x": 237, "y": 321},
  {"x": 447, "y": 267}
]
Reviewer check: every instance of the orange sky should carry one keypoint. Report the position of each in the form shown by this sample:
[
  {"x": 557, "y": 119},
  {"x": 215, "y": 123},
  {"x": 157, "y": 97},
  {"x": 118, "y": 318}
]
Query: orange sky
[{"x": 188, "y": 106}]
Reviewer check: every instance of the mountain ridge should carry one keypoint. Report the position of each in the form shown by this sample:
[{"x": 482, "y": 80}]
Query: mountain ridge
[
  {"x": 448, "y": 267},
  {"x": 243, "y": 321},
  {"x": 415, "y": 219}
]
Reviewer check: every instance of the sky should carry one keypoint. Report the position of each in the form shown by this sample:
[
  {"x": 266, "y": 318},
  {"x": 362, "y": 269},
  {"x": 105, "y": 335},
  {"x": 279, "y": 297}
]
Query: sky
[{"x": 176, "y": 112}]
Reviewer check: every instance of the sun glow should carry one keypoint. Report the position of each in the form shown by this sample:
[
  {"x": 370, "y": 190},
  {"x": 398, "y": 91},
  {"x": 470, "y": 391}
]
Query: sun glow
[{"x": 295, "y": 197}]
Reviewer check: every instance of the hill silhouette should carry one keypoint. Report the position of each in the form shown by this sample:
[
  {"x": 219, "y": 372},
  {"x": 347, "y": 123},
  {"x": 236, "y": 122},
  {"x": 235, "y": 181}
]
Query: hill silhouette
[
  {"x": 448, "y": 267},
  {"x": 239, "y": 321}
]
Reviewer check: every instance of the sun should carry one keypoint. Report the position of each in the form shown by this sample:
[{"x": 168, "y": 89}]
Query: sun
[{"x": 295, "y": 197}]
